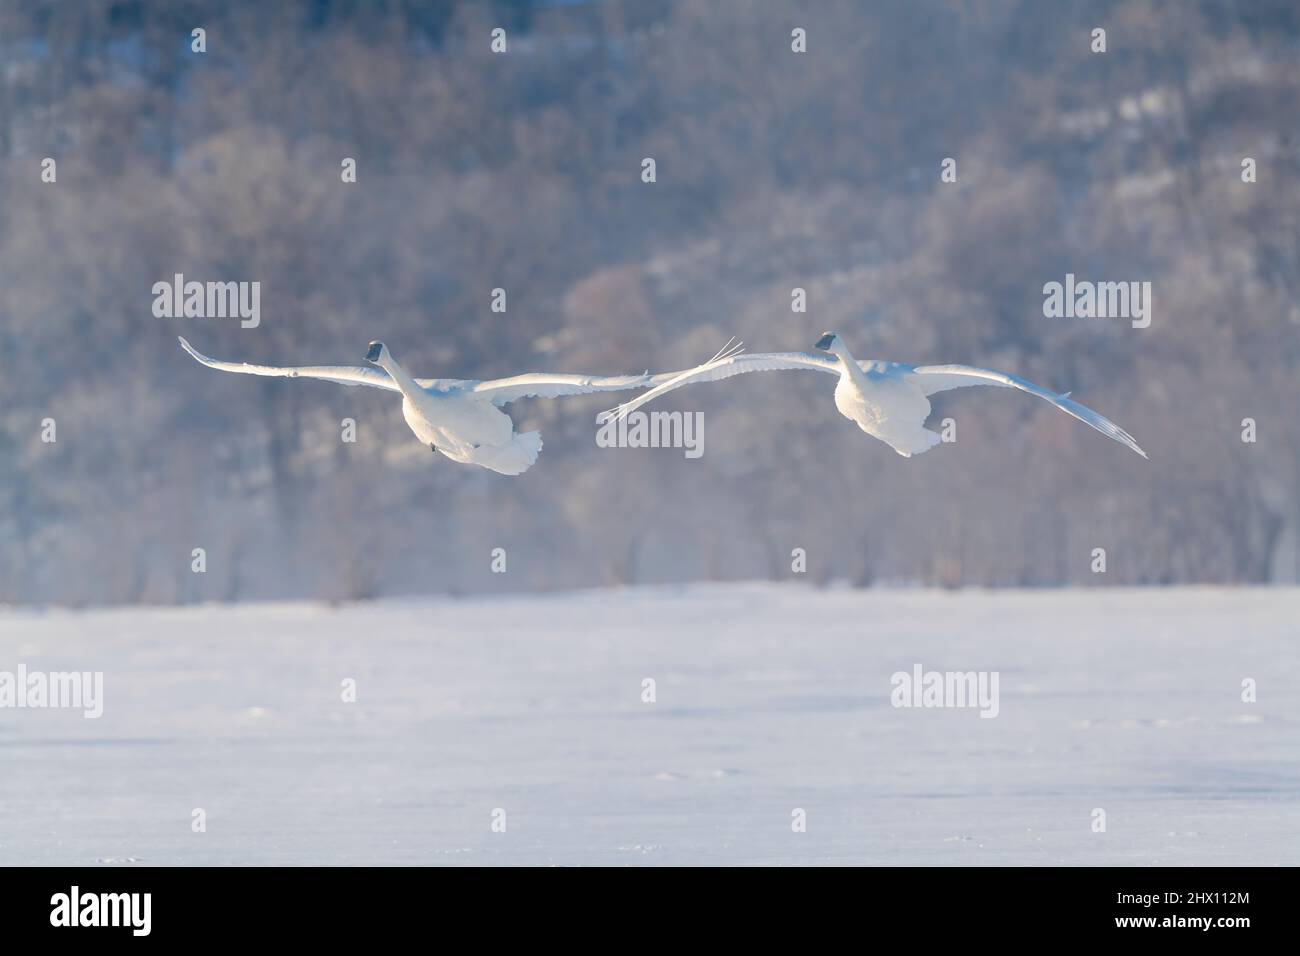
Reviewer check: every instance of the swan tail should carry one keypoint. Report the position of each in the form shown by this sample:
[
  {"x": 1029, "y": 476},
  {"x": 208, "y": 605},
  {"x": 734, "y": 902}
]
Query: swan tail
[
  {"x": 913, "y": 443},
  {"x": 513, "y": 458}
]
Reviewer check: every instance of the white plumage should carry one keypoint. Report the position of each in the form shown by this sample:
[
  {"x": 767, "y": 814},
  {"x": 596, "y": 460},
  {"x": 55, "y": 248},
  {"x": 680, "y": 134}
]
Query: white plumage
[
  {"x": 887, "y": 400},
  {"x": 461, "y": 418}
]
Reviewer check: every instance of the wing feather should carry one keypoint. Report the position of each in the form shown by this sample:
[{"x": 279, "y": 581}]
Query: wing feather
[
  {"x": 342, "y": 374},
  {"x": 941, "y": 378},
  {"x": 719, "y": 369},
  {"x": 554, "y": 385}
]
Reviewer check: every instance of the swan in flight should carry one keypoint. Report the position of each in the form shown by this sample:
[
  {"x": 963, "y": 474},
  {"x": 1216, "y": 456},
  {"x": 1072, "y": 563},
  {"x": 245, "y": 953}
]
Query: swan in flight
[
  {"x": 887, "y": 400},
  {"x": 459, "y": 418}
]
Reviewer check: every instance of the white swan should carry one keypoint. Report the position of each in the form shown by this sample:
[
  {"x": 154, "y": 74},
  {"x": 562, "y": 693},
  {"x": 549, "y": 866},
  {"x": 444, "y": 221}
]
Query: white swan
[
  {"x": 456, "y": 417},
  {"x": 887, "y": 400}
]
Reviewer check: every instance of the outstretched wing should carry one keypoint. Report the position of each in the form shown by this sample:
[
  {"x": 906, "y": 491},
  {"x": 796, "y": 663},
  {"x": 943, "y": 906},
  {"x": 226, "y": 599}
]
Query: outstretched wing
[
  {"x": 941, "y": 378},
  {"x": 555, "y": 384},
  {"x": 342, "y": 374},
  {"x": 717, "y": 369}
]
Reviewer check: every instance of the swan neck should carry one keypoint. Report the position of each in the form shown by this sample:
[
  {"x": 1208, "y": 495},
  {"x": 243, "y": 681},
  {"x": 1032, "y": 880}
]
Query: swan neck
[{"x": 404, "y": 381}]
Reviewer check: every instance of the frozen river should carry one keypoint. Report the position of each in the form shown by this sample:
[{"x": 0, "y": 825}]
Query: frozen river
[{"x": 768, "y": 699}]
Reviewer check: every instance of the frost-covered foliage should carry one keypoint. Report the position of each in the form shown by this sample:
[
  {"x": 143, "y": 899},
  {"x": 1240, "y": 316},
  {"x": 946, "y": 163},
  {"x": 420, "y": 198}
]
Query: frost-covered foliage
[{"x": 522, "y": 171}]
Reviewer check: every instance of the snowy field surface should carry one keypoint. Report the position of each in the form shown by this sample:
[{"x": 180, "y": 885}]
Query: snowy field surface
[{"x": 768, "y": 698}]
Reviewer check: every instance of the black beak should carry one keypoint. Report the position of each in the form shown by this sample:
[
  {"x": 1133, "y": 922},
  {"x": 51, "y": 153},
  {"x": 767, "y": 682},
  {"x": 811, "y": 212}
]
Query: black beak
[
  {"x": 375, "y": 349},
  {"x": 824, "y": 343}
]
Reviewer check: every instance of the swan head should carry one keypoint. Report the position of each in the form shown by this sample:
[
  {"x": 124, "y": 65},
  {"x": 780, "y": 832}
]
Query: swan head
[
  {"x": 828, "y": 342},
  {"x": 377, "y": 352}
]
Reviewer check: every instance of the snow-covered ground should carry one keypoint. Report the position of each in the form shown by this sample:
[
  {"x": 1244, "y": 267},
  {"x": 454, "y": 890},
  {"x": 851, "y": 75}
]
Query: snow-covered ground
[{"x": 769, "y": 698}]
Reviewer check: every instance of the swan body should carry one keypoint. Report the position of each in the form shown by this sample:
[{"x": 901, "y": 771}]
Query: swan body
[
  {"x": 887, "y": 400},
  {"x": 459, "y": 418}
]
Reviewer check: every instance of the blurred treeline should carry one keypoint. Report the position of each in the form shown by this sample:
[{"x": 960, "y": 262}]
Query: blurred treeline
[{"x": 775, "y": 170}]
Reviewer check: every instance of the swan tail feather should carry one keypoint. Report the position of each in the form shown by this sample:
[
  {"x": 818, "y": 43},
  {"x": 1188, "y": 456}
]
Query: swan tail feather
[
  {"x": 513, "y": 458},
  {"x": 913, "y": 443}
]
